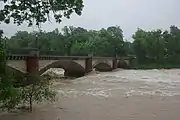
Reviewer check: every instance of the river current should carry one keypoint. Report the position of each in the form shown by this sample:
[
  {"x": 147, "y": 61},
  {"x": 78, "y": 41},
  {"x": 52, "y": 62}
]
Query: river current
[{"x": 118, "y": 95}]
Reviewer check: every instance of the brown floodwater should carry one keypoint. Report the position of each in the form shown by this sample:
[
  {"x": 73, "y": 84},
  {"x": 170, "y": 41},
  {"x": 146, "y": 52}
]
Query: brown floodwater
[{"x": 117, "y": 95}]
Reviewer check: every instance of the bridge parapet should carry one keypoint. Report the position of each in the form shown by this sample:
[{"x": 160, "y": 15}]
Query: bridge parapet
[
  {"x": 22, "y": 63},
  {"x": 43, "y": 57}
]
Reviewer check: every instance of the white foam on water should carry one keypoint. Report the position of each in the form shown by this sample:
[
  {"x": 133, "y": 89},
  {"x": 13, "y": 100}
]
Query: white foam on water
[{"x": 131, "y": 82}]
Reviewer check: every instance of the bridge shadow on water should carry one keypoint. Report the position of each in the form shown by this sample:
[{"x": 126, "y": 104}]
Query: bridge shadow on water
[{"x": 103, "y": 67}]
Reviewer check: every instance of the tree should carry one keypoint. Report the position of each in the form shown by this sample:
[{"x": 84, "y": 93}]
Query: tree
[
  {"x": 72, "y": 36},
  {"x": 8, "y": 93},
  {"x": 128, "y": 48},
  {"x": 41, "y": 91},
  {"x": 67, "y": 33},
  {"x": 80, "y": 38},
  {"x": 38, "y": 10},
  {"x": 157, "y": 47},
  {"x": 74, "y": 41},
  {"x": 172, "y": 41},
  {"x": 30, "y": 11},
  {"x": 110, "y": 41},
  {"x": 116, "y": 39},
  {"x": 57, "y": 42},
  {"x": 140, "y": 45},
  {"x": 21, "y": 39}
]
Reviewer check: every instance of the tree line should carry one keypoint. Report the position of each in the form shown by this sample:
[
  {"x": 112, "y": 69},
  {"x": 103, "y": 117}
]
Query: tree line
[
  {"x": 73, "y": 41},
  {"x": 157, "y": 48},
  {"x": 154, "y": 48}
]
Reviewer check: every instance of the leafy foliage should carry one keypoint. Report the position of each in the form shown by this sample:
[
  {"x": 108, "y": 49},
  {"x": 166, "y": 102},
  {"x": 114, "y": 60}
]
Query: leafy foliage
[
  {"x": 30, "y": 11},
  {"x": 11, "y": 97},
  {"x": 74, "y": 41},
  {"x": 8, "y": 93},
  {"x": 16, "y": 97},
  {"x": 152, "y": 48},
  {"x": 157, "y": 47},
  {"x": 38, "y": 10},
  {"x": 41, "y": 91}
]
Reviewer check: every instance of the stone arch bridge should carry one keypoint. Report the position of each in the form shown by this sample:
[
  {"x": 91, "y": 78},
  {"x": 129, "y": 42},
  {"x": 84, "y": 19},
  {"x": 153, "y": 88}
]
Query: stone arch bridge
[{"x": 75, "y": 66}]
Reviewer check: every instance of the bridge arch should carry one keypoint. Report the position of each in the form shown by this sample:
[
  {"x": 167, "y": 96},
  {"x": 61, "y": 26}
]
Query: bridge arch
[
  {"x": 123, "y": 64},
  {"x": 14, "y": 70},
  {"x": 19, "y": 76},
  {"x": 102, "y": 66},
  {"x": 71, "y": 68}
]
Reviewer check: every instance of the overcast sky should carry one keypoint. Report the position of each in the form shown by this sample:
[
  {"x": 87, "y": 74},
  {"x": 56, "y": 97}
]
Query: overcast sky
[{"x": 129, "y": 14}]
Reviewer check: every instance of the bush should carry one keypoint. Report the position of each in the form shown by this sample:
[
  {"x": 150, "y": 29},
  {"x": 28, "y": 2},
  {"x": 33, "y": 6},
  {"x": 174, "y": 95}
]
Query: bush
[
  {"x": 8, "y": 94},
  {"x": 41, "y": 91},
  {"x": 11, "y": 97}
]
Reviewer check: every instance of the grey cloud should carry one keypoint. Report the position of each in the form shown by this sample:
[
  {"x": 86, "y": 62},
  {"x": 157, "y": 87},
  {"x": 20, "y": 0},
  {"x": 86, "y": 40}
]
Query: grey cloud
[{"x": 129, "y": 14}]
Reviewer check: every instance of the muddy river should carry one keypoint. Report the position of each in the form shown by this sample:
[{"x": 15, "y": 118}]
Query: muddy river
[{"x": 117, "y": 95}]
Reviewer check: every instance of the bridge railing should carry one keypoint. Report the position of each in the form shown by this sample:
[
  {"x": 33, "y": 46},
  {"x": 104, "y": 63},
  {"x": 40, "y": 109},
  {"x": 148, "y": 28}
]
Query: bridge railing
[{"x": 28, "y": 51}]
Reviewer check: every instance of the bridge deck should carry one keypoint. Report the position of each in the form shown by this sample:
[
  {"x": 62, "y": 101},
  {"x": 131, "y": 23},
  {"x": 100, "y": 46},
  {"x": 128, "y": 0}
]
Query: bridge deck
[
  {"x": 52, "y": 57},
  {"x": 50, "y": 54}
]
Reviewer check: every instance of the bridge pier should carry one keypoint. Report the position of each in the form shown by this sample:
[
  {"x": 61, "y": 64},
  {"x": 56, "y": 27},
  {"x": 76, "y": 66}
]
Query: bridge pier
[
  {"x": 115, "y": 63},
  {"x": 131, "y": 63},
  {"x": 88, "y": 65},
  {"x": 32, "y": 69}
]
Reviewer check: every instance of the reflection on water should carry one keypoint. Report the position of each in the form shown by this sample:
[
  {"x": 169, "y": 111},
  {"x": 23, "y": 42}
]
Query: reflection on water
[{"x": 122, "y": 94}]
